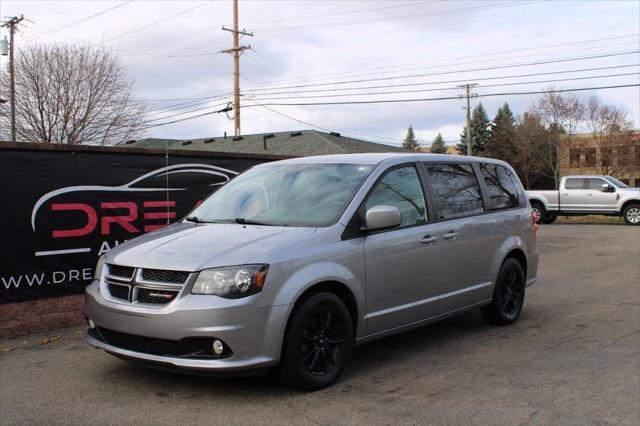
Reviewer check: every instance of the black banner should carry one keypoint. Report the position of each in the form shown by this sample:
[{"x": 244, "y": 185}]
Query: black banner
[{"x": 62, "y": 209}]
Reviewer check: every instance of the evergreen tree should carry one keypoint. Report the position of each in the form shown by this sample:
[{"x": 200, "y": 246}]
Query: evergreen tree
[
  {"x": 502, "y": 142},
  {"x": 480, "y": 132},
  {"x": 410, "y": 141},
  {"x": 438, "y": 146}
]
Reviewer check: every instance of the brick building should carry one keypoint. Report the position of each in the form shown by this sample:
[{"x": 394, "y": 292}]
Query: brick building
[{"x": 583, "y": 156}]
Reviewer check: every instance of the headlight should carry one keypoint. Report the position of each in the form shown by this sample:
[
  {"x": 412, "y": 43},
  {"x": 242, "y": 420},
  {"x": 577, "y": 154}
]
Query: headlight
[
  {"x": 231, "y": 282},
  {"x": 98, "y": 272}
]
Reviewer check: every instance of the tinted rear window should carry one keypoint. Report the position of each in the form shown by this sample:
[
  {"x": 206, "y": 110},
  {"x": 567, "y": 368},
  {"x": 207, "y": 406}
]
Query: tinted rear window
[
  {"x": 456, "y": 190},
  {"x": 502, "y": 190},
  {"x": 574, "y": 183}
]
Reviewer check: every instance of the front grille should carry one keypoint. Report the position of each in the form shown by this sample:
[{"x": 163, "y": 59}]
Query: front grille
[
  {"x": 121, "y": 271},
  {"x": 157, "y": 297},
  {"x": 195, "y": 347},
  {"x": 119, "y": 291},
  {"x": 164, "y": 276}
]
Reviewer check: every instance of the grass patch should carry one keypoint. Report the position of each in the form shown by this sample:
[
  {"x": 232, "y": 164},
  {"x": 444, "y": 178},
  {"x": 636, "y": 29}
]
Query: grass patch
[{"x": 591, "y": 219}]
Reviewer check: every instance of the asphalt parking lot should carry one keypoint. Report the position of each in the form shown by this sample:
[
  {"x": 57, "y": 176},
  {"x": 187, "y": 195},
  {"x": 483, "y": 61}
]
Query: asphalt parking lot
[{"x": 573, "y": 358}]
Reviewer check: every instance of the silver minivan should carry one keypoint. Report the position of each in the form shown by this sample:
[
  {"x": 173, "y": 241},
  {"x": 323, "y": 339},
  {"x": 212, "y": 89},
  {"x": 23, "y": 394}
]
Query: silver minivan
[{"x": 292, "y": 263}]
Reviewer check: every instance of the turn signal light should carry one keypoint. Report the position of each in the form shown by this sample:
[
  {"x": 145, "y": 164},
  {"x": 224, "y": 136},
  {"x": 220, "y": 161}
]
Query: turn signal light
[{"x": 534, "y": 220}]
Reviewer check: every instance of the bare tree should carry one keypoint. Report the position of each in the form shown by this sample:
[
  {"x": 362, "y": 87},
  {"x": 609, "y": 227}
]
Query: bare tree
[
  {"x": 612, "y": 133},
  {"x": 73, "y": 95},
  {"x": 562, "y": 113},
  {"x": 530, "y": 148}
]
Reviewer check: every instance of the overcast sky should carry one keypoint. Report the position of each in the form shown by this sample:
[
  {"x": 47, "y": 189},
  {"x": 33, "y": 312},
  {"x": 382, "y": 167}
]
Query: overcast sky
[{"x": 171, "y": 50}]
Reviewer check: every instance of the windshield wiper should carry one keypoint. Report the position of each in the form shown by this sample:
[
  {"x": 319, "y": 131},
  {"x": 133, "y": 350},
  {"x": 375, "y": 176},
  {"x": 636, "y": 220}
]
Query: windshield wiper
[
  {"x": 244, "y": 221},
  {"x": 193, "y": 219}
]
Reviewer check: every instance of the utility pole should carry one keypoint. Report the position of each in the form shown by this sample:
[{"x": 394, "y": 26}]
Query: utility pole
[
  {"x": 236, "y": 51},
  {"x": 12, "y": 24},
  {"x": 468, "y": 95}
]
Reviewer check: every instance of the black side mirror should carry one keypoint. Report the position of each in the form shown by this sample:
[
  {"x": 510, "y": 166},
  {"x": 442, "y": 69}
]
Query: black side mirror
[{"x": 607, "y": 188}]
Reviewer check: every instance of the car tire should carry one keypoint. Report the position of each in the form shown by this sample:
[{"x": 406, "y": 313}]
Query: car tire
[
  {"x": 508, "y": 295},
  {"x": 631, "y": 214},
  {"x": 317, "y": 343},
  {"x": 549, "y": 219},
  {"x": 539, "y": 210}
]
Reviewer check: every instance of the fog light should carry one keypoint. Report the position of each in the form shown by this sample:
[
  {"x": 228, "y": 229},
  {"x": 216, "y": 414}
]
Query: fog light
[
  {"x": 92, "y": 324},
  {"x": 218, "y": 347}
]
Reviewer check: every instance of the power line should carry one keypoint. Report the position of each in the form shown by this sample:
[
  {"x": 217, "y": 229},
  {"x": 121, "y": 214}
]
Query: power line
[
  {"x": 484, "y": 55},
  {"x": 300, "y": 18},
  {"x": 385, "y": 101},
  {"x": 591, "y": 50},
  {"x": 437, "y": 89},
  {"x": 189, "y": 102},
  {"x": 76, "y": 22},
  {"x": 386, "y": 86},
  {"x": 396, "y": 18},
  {"x": 348, "y": 133},
  {"x": 406, "y": 100},
  {"x": 135, "y": 30},
  {"x": 185, "y": 112},
  {"x": 554, "y": 61},
  {"x": 220, "y": 96}
]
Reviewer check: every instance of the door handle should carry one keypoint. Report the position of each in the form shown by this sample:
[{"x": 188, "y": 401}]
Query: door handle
[
  {"x": 450, "y": 235},
  {"x": 428, "y": 239}
]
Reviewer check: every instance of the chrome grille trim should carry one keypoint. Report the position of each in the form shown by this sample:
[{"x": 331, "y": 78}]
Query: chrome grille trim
[
  {"x": 137, "y": 282},
  {"x": 141, "y": 280},
  {"x": 121, "y": 272}
]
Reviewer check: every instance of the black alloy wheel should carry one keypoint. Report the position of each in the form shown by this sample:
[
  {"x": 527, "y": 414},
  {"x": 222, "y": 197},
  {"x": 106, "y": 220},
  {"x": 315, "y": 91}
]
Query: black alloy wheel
[
  {"x": 508, "y": 295},
  {"x": 317, "y": 343},
  {"x": 322, "y": 341}
]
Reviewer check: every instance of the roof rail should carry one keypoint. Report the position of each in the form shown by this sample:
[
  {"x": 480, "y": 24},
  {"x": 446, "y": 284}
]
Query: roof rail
[
  {"x": 187, "y": 143},
  {"x": 334, "y": 133},
  {"x": 209, "y": 140},
  {"x": 294, "y": 134},
  {"x": 237, "y": 138}
]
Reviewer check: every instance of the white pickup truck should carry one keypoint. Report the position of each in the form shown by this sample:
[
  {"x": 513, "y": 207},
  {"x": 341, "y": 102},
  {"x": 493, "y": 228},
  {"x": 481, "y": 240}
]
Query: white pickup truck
[{"x": 583, "y": 195}]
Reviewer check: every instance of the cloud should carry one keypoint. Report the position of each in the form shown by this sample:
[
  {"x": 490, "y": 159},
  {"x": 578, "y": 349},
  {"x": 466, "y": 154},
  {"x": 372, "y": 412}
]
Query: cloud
[{"x": 397, "y": 38}]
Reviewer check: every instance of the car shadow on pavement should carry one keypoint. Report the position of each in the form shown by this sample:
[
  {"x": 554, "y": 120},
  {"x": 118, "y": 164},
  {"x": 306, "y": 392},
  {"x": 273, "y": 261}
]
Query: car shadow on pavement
[{"x": 432, "y": 340}]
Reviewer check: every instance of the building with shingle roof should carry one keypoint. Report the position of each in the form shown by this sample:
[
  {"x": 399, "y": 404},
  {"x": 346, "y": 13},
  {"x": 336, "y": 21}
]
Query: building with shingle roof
[{"x": 300, "y": 143}]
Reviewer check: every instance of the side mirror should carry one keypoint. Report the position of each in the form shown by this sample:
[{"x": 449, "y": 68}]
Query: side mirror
[
  {"x": 382, "y": 217},
  {"x": 607, "y": 188}
]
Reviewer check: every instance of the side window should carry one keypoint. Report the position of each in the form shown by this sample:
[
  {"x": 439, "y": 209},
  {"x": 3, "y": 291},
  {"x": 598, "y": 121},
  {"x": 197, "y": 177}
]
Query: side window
[
  {"x": 456, "y": 190},
  {"x": 574, "y": 183},
  {"x": 401, "y": 188},
  {"x": 502, "y": 191},
  {"x": 594, "y": 183}
]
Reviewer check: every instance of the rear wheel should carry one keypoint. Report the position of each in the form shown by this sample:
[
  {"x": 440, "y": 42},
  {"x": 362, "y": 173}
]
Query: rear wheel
[
  {"x": 631, "y": 214},
  {"x": 508, "y": 295},
  {"x": 549, "y": 218},
  {"x": 317, "y": 343}
]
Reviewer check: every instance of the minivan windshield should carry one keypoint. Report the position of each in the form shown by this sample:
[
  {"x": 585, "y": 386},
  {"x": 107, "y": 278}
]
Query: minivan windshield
[{"x": 310, "y": 195}]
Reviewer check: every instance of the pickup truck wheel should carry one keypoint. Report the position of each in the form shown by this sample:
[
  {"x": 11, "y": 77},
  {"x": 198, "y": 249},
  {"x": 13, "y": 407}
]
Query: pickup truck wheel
[
  {"x": 538, "y": 209},
  {"x": 317, "y": 343},
  {"x": 549, "y": 218},
  {"x": 508, "y": 295},
  {"x": 631, "y": 214}
]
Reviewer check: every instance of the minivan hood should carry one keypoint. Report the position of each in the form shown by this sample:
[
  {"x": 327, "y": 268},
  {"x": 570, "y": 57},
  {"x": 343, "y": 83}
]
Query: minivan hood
[{"x": 193, "y": 247}]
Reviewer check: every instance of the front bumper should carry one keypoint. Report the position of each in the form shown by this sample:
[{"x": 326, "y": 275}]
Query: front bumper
[
  {"x": 253, "y": 334},
  {"x": 198, "y": 365}
]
